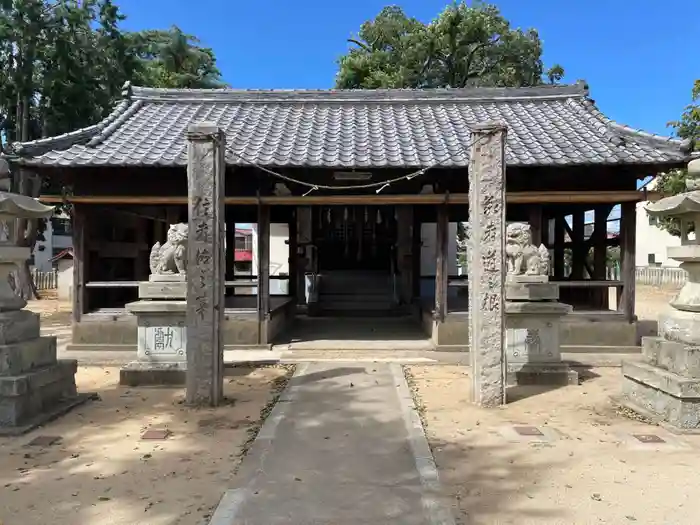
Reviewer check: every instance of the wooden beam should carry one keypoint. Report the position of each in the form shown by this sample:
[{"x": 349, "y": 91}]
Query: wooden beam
[
  {"x": 441, "y": 273},
  {"x": 628, "y": 248},
  {"x": 514, "y": 197}
]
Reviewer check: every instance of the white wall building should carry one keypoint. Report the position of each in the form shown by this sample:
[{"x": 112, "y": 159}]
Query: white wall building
[
  {"x": 652, "y": 241},
  {"x": 57, "y": 237}
]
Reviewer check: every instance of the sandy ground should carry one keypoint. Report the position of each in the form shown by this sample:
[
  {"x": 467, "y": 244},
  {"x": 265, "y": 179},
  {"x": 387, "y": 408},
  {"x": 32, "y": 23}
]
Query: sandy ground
[
  {"x": 587, "y": 468},
  {"x": 102, "y": 472},
  {"x": 650, "y": 301}
]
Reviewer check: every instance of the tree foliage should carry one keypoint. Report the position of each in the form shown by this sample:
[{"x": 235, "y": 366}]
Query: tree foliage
[
  {"x": 62, "y": 67},
  {"x": 466, "y": 45},
  {"x": 687, "y": 127}
]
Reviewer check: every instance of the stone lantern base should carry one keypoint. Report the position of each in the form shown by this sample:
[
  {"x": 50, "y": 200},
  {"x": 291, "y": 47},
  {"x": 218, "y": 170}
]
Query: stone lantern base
[
  {"x": 665, "y": 386},
  {"x": 35, "y": 387}
]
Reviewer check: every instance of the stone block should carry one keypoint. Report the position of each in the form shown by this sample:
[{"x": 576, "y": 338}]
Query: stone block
[
  {"x": 161, "y": 331},
  {"x": 680, "y": 358},
  {"x": 538, "y": 343},
  {"x": 167, "y": 278},
  {"x": 138, "y": 373},
  {"x": 518, "y": 291},
  {"x": 23, "y": 384},
  {"x": 662, "y": 380},
  {"x": 510, "y": 278},
  {"x": 21, "y": 357},
  {"x": 18, "y": 326},
  {"x": 644, "y": 395},
  {"x": 162, "y": 290},
  {"x": 557, "y": 374},
  {"x": 37, "y": 393},
  {"x": 680, "y": 326}
]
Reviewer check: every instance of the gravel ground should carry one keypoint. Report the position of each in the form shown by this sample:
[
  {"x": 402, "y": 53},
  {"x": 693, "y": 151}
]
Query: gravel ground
[
  {"x": 102, "y": 472},
  {"x": 586, "y": 467}
]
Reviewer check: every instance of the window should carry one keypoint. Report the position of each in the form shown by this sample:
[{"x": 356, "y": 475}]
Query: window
[
  {"x": 653, "y": 221},
  {"x": 651, "y": 258}
]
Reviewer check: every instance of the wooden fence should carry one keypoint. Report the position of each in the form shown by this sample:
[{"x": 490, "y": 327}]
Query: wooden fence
[
  {"x": 45, "y": 280},
  {"x": 661, "y": 276}
]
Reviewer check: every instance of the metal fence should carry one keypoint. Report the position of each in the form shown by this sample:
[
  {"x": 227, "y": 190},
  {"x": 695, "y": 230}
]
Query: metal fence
[
  {"x": 661, "y": 276},
  {"x": 45, "y": 280}
]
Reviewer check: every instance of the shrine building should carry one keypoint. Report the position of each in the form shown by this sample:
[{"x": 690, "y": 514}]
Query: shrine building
[{"x": 363, "y": 191}]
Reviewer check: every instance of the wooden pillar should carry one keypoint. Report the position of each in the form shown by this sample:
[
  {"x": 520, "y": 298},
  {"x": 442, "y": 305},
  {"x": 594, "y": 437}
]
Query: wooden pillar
[
  {"x": 559, "y": 245},
  {"x": 416, "y": 254},
  {"x": 441, "y": 267},
  {"x": 535, "y": 221},
  {"x": 600, "y": 241},
  {"x": 304, "y": 220},
  {"x": 579, "y": 248},
  {"x": 293, "y": 257},
  {"x": 263, "y": 268},
  {"x": 80, "y": 256},
  {"x": 230, "y": 246},
  {"x": 629, "y": 265},
  {"x": 141, "y": 268},
  {"x": 600, "y": 251}
]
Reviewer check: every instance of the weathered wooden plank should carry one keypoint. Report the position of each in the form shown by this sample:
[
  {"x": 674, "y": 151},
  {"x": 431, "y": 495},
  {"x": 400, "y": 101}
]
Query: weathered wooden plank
[
  {"x": 628, "y": 248},
  {"x": 441, "y": 248}
]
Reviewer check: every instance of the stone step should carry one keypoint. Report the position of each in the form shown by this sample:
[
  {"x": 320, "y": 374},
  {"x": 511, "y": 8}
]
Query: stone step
[
  {"x": 18, "y": 326},
  {"x": 679, "y": 358},
  {"x": 23, "y": 384},
  {"x": 19, "y": 358},
  {"x": 47, "y": 388}
]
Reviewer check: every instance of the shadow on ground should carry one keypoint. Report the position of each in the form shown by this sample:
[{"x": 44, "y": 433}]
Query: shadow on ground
[{"x": 101, "y": 471}]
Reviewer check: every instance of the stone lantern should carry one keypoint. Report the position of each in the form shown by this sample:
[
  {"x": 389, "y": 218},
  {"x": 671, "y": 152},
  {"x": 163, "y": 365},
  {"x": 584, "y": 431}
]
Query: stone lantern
[
  {"x": 665, "y": 386},
  {"x": 34, "y": 385}
]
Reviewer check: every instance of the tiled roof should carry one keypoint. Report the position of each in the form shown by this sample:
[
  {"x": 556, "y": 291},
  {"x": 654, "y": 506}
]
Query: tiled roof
[{"x": 547, "y": 125}]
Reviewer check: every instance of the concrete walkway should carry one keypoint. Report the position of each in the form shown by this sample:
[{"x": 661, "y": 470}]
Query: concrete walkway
[{"x": 343, "y": 446}]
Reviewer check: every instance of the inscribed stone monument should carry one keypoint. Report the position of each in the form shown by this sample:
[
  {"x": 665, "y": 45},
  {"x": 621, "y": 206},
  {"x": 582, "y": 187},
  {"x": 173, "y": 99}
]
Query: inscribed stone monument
[
  {"x": 486, "y": 269},
  {"x": 206, "y": 170}
]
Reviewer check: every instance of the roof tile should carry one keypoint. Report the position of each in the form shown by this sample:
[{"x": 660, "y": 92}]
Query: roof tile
[{"x": 547, "y": 125}]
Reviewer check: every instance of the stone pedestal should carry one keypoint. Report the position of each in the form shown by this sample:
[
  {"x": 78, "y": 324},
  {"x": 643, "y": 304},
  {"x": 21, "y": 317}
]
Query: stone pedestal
[
  {"x": 533, "y": 353},
  {"x": 665, "y": 386},
  {"x": 35, "y": 387},
  {"x": 533, "y": 315},
  {"x": 162, "y": 333}
]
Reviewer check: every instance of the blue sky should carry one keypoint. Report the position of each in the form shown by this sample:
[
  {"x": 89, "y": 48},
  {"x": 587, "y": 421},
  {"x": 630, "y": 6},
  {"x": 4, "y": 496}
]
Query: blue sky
[{"x": 640, "y": 57}]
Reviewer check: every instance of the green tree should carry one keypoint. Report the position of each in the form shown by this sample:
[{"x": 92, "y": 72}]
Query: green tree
[
  {"x": 173, "y": 59},
  {"x": 688, "y": 127},
  {"x": 62, "y": 67},
  {"x": 466, "y": 45}
]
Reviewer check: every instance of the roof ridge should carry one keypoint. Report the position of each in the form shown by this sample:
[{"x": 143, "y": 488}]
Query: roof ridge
[
  {"x": 685, "y": 145},
  {"x": 579, "y": 89}
]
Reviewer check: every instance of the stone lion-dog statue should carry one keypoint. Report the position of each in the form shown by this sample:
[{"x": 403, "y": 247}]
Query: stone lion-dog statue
[
  {"x": 171, "y": 257},
  {"x": 523, "y": 257}
]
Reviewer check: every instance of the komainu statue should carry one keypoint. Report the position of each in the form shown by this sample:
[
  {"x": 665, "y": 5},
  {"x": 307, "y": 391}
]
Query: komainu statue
[
  {"x": 522, "y": 257},
  {"x": 171, "y": 257}
]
